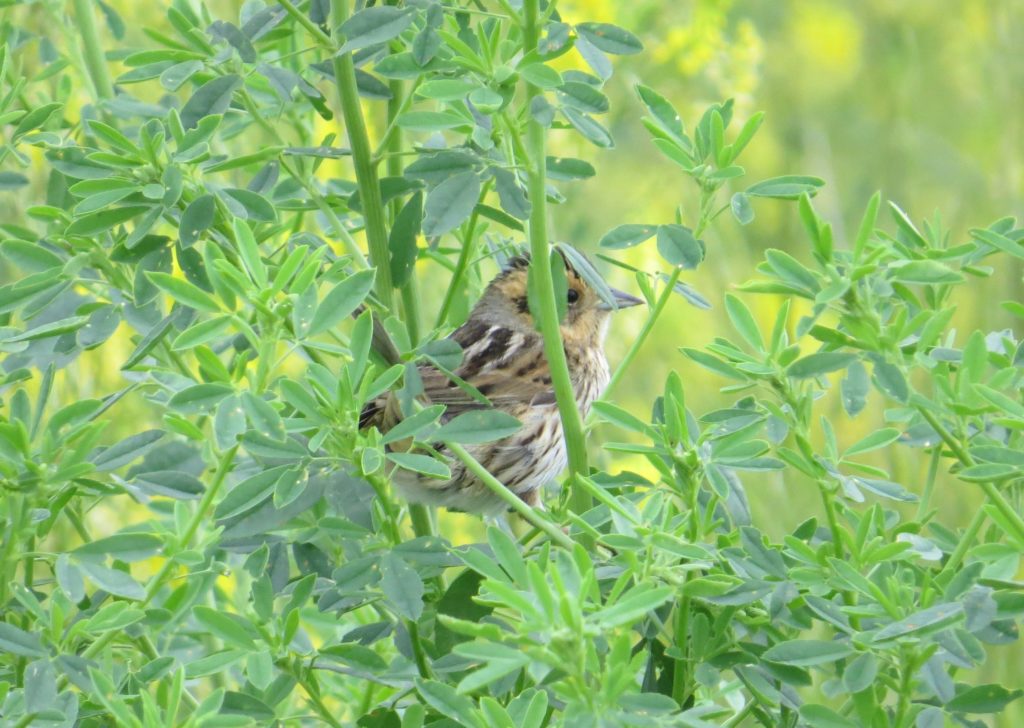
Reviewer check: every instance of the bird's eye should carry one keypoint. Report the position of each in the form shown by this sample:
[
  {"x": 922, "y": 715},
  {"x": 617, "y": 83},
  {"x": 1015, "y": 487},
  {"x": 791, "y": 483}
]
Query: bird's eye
[{"x": 573, "y": 295}]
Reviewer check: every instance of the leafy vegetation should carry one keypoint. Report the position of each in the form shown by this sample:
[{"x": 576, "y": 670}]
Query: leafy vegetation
[{"x": 234, "y": 554}]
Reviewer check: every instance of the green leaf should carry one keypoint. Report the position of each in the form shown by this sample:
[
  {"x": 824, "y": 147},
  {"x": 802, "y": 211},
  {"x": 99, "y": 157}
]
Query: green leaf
[
  {"x": 610, "y": 38},
  {"x": 102, "y": 199},
  {"x": 478, "y": 426},
  {"x": 122, "y": 546},
  {"x": 713, "y": 363},
  {"x": 262, "y": 416},
  {"x": 854, "y": 388},
  {"x": 450, "y": 203},
  {"x": 250, "y": 493},
  {"x": 114, "y": 616},
  {"x": 104, "y": 220},
  {"x": 436, "y": 168},
  {"x": 114, "y": 581},
  {"x": 263, "y": 446},
  {"x": 792, "y": 271},
  {"x": 50, "y": 330},
  {"x": 591, "y": 130},
  {"x": 422, "y": 464},
  {"x": 30, "y": 257},
  {"x": 213, "y": 97},
  {"x": 679, "y": 247},
  {"x": 567, "y": 168},
  {"x": 663, "y": 114},
  {"x": 877, "y": 439},
  {"x": 805, "y": 653},
  {"x": 925, "y": 621},
  {"x": 228, "y": 627},
  {"x": 925, "y": 271},
  {"x": 999, "y": 454},
  {"x": 197, "y": 218},
  {"x": 787, "y": 187},
  {"x": 447, "y": 89},
  {"x": 890, "y": 381},
  {"x": 983, "y": 699},
  {"x": 289, "y": 486},
  {"x": 19, "y": 642},
  {"x": 199, "y": 398},
  {"x": 341, "y": 301},
  {"x": 201, "y": 333},
  {"x": 35, "y": 119},
  {"x": 171, "y": 483},
  {"x": 249, "y": 205},
  {"x": 541, "y": 75},
  {"x": 741, "y": 208},
  {"x": 821, "y": 717},
  {"x": 583, "y": 97},
  {"x": 184, "y": 292},
  {"x": 822, "y": 362},
  {"x": 861, "y": 673},
  {"x": 626, "y": 236},
  {"x": 447, "y": 702},
  {"x": 743, "y": 321},
  {"x": 1000, "y": 242},
  {"x": 402, "y": 586},
  {"x": 511, "y": 194},
  {"x": 632, "y": 606},
  {"x": 374, "y": 25},
  {"x": 249, "y": 251},
  {"x": 402, "y": 240},
  {"x": 126, "y": 451},
  {"x": 414, "y": 423}
]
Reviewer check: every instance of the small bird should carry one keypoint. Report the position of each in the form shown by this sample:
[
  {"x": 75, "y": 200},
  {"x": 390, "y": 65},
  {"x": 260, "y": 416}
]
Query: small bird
[{"x": 503, "y": 358}]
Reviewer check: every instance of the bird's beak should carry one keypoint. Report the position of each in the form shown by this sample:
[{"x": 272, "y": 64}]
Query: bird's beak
[{"x": 622, "y": 300}]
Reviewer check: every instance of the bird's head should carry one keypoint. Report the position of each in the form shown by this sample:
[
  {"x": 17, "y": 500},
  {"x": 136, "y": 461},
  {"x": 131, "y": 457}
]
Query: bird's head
[{"x": 506, "y": 302}]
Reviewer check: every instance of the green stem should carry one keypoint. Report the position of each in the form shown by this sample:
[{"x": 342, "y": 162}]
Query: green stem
[
  {"x": 572, "y": 422},
  {"x": 907, "y": 670},
  {"x": 738, "y": 718},
  {"x": 833, "y": 522},
  {"x": 991, "y": 492},
  {"x": 513, "y": 501},
  {"x": 314, "y": 697},
  {"x": 362, "y": 159},
  {"x": 419, "y": 654},
  {"x": 95, "y": 61},
  {"x": 303, "y": 20},
  {"x": 163, "y": 575},
  {"x": 465, "y": 253},
  {"x": 962, "y": 546},
  {"x": 929, "y": 485},
  {"x": 645, "y": 332}
]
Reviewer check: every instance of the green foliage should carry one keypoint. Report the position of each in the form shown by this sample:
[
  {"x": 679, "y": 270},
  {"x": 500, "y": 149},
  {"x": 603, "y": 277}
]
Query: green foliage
[{"x": 265, "y": 572}]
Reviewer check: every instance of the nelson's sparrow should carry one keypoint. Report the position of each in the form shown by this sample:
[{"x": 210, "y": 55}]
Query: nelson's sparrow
[{"x": 503, "y": 358}]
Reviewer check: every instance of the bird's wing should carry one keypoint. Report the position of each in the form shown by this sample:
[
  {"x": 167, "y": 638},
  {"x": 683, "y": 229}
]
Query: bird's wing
[{"x": 507, "y": 368}]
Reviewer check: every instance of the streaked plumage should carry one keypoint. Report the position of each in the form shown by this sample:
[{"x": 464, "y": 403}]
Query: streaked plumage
[{"x": 503, "y": 358}]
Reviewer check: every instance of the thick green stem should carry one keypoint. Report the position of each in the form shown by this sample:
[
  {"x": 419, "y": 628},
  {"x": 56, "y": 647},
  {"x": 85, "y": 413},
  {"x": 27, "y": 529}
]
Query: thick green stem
[
  {"x": 362, "y": 159},
  {"x": 540, "y": 269},
  {"x": 303, "y": 20},
  {"x": 95, "y": 61},
  {"x": 514, "y": 502}
]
